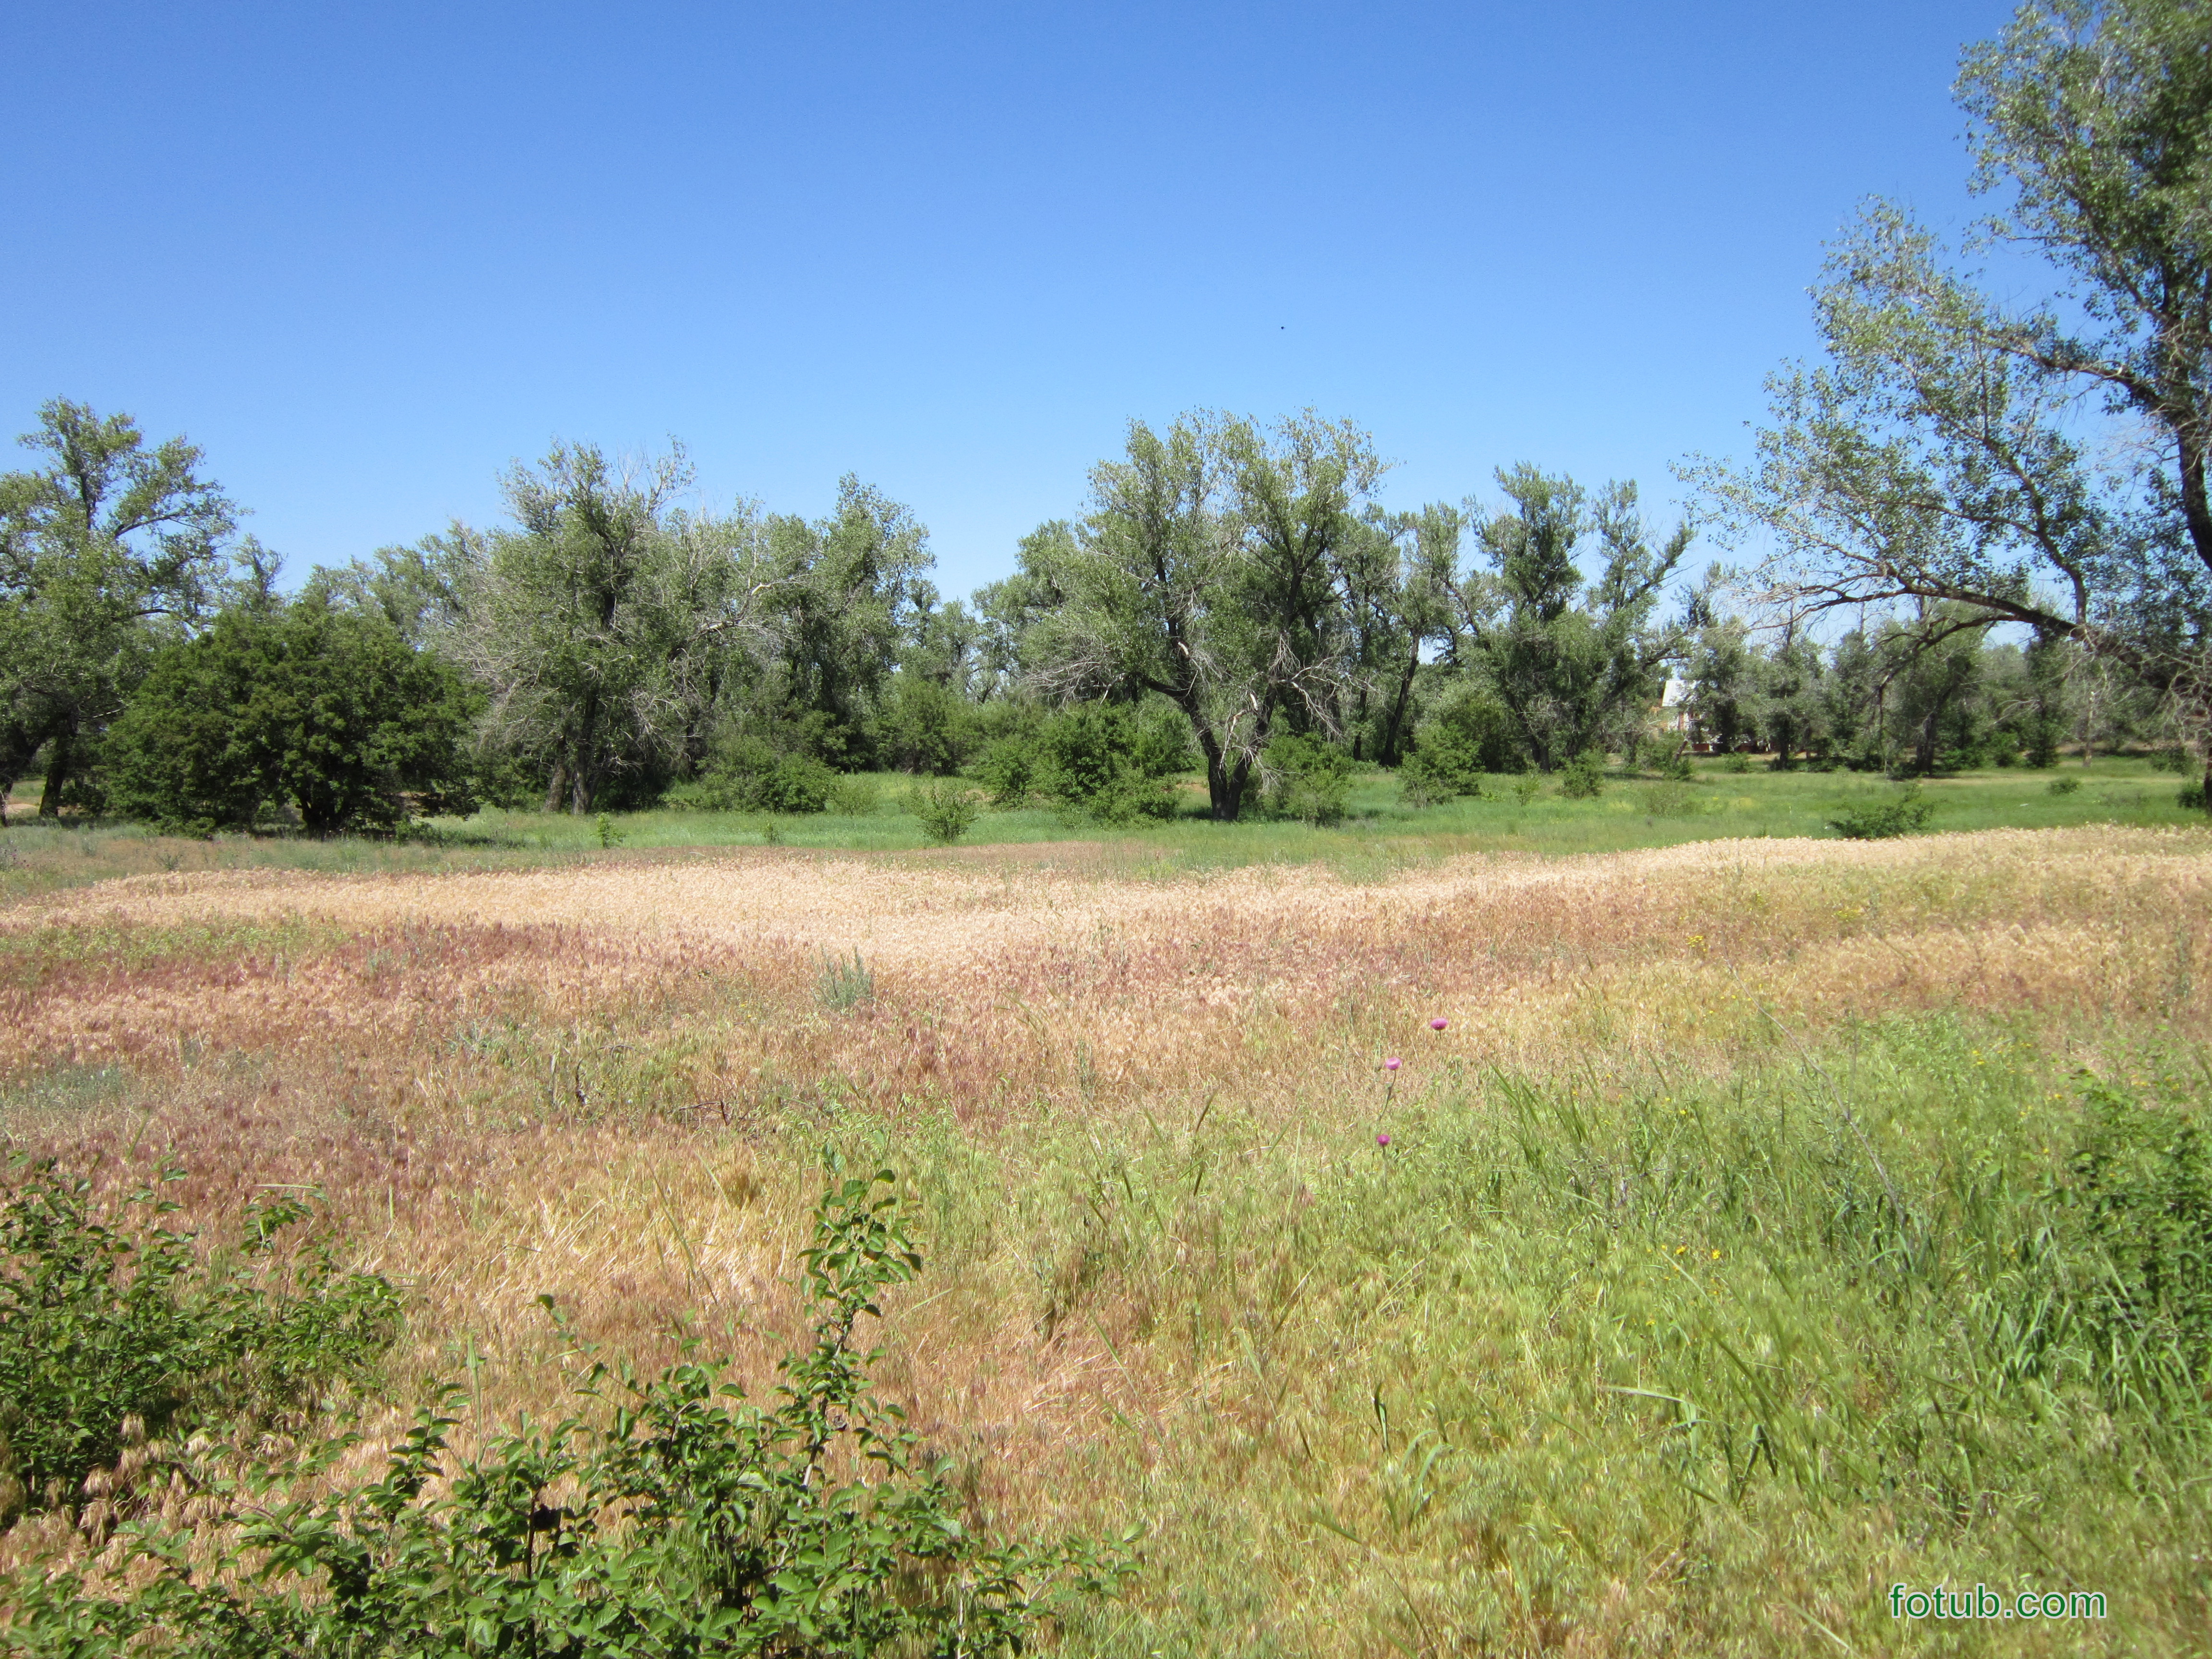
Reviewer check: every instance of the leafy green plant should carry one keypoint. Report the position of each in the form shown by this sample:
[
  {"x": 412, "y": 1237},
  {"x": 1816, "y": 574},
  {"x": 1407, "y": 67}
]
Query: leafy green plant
[
  {"x": 683, "y": 1520},
  {"x": 1307, "y": 779},
  {"x": 748, "y": 775},
  {"x": 2063, "y": 786},
  {"x": 1676, "y": 766},
  {"x": 101, "y": 1325},
  {"x": 1906, "y": 813},
  {"x": 1582, "y": 778},
  {"x": 608, "y": 832},
  {"x": 2140, "y": 1181},
  {"x": 305, "y": 706},
  {"x": 842, "y": 984},
  {"x": 1524, "y": 789},
  {"x": 856, "y": 797},
  {"x": 945, "y": 809},
  {"x": 1738, "y": 764}
]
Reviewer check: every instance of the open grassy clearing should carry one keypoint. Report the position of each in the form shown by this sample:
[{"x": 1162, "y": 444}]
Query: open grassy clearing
[
  {"x": 1382, "y": 833},
  {"x": 1686, "y": 1308}
]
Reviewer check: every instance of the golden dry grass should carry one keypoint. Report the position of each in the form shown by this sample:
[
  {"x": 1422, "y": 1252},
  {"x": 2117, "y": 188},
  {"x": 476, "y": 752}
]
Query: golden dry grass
[{"x": 597, "y": 1082}]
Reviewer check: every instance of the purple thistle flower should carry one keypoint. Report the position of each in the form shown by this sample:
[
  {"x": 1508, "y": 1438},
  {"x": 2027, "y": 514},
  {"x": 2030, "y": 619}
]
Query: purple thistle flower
[
  {"x": 1438, "y": 1023},
  {"x": 1391, "y": 1064},
  {"x": 1382, "y": 1139}
]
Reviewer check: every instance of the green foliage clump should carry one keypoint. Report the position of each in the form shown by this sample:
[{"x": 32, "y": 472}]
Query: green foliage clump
[
  {"x": 1906, "y": 813},
  {"x": 1307, "y": 779},
  {"x": 843, "y": 984},
  {"x": 749, "y": 774},
  {"x": 1470, "y": 736},
  {"x": 685, "y": 1520},
  {"x": 99, "y": 1328},
  {"x": 1107, "y": 762},
  {"x": 2140, "y": 1180},
  {"x": 1582, "y": 778},
  {"x": 945, "y": 809},
  {"x": 856, "y": 797},
  {"x": 2063, "y": 786},
  {"x": 306, "y": 706}
]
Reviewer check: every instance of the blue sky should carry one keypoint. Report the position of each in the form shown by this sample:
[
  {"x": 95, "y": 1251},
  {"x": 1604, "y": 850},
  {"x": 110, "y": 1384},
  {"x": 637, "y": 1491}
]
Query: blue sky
[{"x": 366, "y": 256}]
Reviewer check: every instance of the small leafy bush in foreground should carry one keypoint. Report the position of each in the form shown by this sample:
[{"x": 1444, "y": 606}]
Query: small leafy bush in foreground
[
  {"x": 686, "y": 1519},
  {"x": 99, "y": 1328},
  {"x": 2063, "y": 786},
  {"x": 1906, "y": 813}
]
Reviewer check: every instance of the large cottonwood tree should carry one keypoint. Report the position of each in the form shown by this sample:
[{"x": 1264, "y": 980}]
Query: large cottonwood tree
[
  {"x": 1945, "y": 457},
  {"x": 108, "y": 548}
]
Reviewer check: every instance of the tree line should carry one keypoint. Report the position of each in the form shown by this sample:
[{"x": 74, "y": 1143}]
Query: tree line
[{"x": 1955, "y": 557}]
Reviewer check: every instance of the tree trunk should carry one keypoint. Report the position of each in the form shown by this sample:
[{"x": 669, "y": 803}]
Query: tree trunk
[
  {"x": 556, "y": 786},
  {"x": 2208, "y": 784},
  {"x": 58, "y": 764}
]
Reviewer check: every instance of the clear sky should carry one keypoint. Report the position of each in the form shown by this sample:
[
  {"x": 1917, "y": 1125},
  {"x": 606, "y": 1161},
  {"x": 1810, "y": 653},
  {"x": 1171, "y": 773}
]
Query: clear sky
[{"x": 367, "y": 255}]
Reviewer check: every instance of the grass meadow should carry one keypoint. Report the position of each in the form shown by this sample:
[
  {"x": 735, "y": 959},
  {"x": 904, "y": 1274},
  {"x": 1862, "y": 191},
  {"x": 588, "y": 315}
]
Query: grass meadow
[{"x": 1725, "y": 1259}]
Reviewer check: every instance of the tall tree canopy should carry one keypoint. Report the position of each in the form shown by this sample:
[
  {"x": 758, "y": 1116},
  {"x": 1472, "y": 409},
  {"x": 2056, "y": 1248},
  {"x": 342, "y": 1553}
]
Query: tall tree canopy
[
  {"x": 1212, "y": 569},
  {"x": 1940, "y": 458},
  {"x": 107, "y": 548}
]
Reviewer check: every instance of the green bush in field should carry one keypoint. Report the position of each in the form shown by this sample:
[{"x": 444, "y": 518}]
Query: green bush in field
[
  {"x": 304, "y": 705},
  {"x": 1108, "y": 762},
  {"x": 1582, "y": 778},
  {"x": 945, "y": 808},
  {"x": 2063, "y": 786},
  {"x": 1309, "y": 779},
  {"x": 100, "y": 1326},
  {"x": 856, "y": 797},
  {"x": 683, "y": 1520},
  {"x": 750, "y": 774},
  {"x": 1906, "y": 813}
]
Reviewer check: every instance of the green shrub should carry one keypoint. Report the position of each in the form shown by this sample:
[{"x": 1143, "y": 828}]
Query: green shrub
[
  {"x": 99, "y": 1326},
  {"x": 945, "y": 809},
  {"x": 1582, "y": 778},
  {"x": 2063, "y": 786},
  {"x": 1307, "y": 779},
  {"x": 1010, "y": 769},
  {"x": 1906, "y": 813},
  {"x": 306, "y": 706},
  {"x": 844, "y": 985},
  {"x": 1424, "y": 781},
  {"x": 1738, "y": 764},
  {"x": 1524, "y": 789},
  {"x": 750, "y": 775},
  {"x": 1677, "y": 767},
  {"x": 1106, "y": 761},
  {"x": 856, "y": 797},
  {"x": 2190, "y": 797},
  {"x": 683, "y": 1520}
]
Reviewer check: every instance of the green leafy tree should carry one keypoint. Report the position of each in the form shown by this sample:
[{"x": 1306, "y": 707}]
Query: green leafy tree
[
  {"x": 324, "y": 710},
  {"x": 1213, "y": 570},
  {"x": 849, "y": 589},
  {"x": 609, "y": 630},
  {"x": 1937, "y": 456},
  {"x": 108, "y": 548},
  {"x": 1573, "y": 663}
]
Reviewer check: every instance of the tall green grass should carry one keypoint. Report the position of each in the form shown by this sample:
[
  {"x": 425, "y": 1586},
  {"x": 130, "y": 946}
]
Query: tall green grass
[{"x": 1705, "y": 1363}]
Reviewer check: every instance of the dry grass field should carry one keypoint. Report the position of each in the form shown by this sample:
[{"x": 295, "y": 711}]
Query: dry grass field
[{"x": 1607, "y": 1350}]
